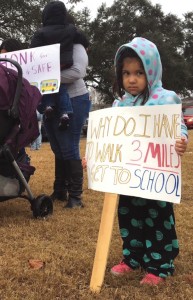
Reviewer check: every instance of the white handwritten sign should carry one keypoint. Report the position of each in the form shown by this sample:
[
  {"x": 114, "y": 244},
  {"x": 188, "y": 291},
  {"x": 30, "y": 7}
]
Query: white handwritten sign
[
  {"x": 131, "y": 151},
  {"x": 41, "y": 66}
]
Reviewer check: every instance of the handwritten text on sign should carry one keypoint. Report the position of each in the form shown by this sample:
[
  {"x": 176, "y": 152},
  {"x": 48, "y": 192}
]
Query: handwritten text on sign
[
  {"x": 41, "y": 66},
  {"x": 131, "y": 151}
]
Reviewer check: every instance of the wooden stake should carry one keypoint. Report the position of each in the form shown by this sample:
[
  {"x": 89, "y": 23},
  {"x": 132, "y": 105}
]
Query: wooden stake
[{"x": 103, "y": 243}]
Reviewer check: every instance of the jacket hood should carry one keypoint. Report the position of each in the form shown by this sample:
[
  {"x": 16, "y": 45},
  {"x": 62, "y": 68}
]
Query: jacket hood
[
  {"x": 149, "y": 55},
  {"x": 54, "y": 13}
]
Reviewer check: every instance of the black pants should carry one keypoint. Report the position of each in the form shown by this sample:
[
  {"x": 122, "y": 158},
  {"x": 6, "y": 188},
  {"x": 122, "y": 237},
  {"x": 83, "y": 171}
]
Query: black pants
[{"x": 147, "y": 228}]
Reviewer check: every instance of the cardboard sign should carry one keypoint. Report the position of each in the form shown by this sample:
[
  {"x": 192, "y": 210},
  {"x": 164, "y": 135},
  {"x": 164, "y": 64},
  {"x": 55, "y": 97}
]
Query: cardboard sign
[
  {"x": 131, "y": 151},
  {"x": 41, "y": 66}
]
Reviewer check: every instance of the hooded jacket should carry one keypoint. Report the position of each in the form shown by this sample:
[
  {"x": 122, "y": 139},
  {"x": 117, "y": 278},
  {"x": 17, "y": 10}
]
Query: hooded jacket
[
  {"x": 149, "y": 55},
  {"x": 56, "y": 29}
]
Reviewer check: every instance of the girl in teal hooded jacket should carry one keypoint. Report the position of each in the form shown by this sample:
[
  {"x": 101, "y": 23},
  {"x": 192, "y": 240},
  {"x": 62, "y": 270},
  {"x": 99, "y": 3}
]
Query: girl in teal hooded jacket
[{"x": 150, "y": 245}]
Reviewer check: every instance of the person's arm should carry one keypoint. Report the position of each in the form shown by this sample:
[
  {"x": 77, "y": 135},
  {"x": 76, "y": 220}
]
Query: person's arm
[
  {"x": 37, "y": 40},
  {"x": 78, "y": 69},
  {"x": 181, "y": 145},
  {"x": 80, "y": 38}
]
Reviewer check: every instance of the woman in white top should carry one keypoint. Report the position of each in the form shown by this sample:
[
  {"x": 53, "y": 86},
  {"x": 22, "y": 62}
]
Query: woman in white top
[{"x": 65, "y": 144}]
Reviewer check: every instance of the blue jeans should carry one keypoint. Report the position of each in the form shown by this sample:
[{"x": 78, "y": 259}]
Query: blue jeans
[
  {"x": 65, "y": 143},
  {"x": 60, "y": 100},
  {"x": 35, "y": 145}
]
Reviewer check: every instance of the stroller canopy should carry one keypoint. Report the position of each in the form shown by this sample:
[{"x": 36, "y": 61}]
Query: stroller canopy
[{"x": 29, "y": 99}]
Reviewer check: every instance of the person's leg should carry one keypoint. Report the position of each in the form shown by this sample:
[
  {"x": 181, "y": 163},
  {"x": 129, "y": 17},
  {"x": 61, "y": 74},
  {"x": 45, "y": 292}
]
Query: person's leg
[
  {"x": 48, "y": 105},
  {"x": 68, "y": 141},
  {"x": 75, "y": 184},
  {"x": 55, "y": 136},
  {"x": 60, "y": 181},
  {"x": 64, "y": 102},
  {"x": 161, "y": 239},
  {"x": 61, "y": 170},
  {"x": 81, "y": 107},
  {"x": 64, "y": 107},
  {"x": 131, "y": 225},
  {"x": 33, "y": 145},
  {"x": 39, "y": 138},
  {"x": 65, "y": 145}
]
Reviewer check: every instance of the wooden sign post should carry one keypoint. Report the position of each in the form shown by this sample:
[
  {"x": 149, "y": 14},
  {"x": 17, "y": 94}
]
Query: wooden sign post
[
  {"x": 126, "y": 148},
  {"x": 103, "y": 243}
]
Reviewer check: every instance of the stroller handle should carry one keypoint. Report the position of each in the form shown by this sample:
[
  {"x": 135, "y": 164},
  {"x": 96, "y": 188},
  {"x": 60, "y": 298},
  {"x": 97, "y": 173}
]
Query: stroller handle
[{"x": 14, "y": 112}]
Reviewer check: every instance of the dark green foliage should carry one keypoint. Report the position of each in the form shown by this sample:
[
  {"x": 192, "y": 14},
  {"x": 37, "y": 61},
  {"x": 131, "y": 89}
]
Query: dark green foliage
[
  {"x": 112, "y": 27},
  {"x": 188, "y": 47},
  {"x": 123, "y": 21},
  {"x": 19, "y": 18}
]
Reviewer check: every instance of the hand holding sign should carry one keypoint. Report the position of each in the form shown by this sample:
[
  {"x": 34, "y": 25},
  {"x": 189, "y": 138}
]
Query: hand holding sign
[{"x": 133, "y": 151}]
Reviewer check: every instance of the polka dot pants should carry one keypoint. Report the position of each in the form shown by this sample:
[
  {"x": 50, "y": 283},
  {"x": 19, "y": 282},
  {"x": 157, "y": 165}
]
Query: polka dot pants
[{"x": 147, "y": 228}]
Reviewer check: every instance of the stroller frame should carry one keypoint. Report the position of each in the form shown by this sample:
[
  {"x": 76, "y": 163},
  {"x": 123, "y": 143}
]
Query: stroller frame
[{"x": 42, "y": 206}]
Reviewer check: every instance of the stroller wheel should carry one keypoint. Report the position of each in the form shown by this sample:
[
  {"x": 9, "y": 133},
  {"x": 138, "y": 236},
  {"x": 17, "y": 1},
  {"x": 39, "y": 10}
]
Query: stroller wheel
[{"x": 42, "y": 206}]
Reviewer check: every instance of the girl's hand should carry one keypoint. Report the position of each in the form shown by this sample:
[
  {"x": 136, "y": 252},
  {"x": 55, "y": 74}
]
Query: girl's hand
[
  {"x": 84, "y": 163},
  {"x": 181, "y": 146}
]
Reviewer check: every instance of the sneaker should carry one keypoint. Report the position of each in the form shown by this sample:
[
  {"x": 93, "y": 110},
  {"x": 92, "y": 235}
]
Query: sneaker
[
  {"x": 152, "y": 279},
  {"x": 121, "y": 269}
]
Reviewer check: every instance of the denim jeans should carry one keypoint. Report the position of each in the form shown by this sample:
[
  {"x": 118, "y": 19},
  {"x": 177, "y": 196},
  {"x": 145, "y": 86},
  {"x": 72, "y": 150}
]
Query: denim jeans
[
  {"x": 35, "y": 145},
  {"x": 65, "y": 143},
  {"x": 64, "y": 106},
  {"x": 60, "y": 100}
]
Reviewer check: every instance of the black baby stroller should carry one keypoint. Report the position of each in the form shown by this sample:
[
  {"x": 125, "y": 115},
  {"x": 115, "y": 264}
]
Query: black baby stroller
[{"x": 18, "y": 128}]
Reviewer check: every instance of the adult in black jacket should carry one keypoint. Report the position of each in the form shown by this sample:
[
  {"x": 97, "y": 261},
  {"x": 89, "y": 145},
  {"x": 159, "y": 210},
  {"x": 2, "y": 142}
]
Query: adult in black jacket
[{"x": 56, "y": 29}]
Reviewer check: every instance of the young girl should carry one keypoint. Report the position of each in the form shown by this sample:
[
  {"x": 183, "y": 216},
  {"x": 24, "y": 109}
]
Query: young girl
[{"x": 147, "y": 227}]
